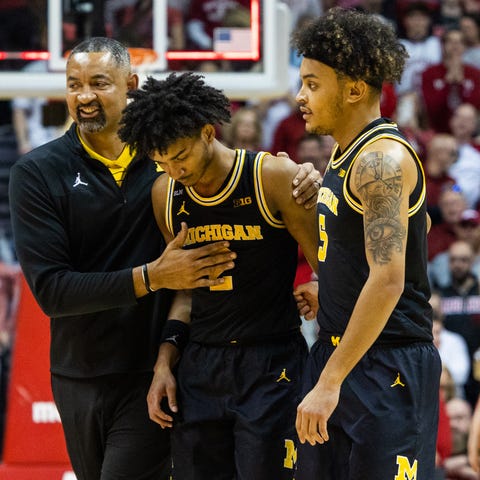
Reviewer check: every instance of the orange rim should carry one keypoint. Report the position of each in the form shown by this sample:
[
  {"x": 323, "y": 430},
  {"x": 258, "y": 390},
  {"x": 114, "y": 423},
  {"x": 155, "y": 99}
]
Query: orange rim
[{"x": 138, "y": 56}]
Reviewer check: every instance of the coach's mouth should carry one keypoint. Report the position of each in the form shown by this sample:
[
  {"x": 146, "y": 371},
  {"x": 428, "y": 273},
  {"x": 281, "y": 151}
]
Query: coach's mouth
[{"x": 89, "y": 112}]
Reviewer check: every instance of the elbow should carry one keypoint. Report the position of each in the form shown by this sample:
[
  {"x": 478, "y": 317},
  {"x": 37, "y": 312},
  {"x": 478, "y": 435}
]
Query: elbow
[
  {"x": 390, "y": 286},
  {"x": 46, "y": 304},
  {"x": 52, "y": 304},
  {"x": 394, "y": 288}
]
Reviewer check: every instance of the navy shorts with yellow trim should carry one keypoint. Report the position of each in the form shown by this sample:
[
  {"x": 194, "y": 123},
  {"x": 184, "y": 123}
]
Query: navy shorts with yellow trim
[
  {"x": 237, "y": 409},
  {"x": 385, "y": 424}
]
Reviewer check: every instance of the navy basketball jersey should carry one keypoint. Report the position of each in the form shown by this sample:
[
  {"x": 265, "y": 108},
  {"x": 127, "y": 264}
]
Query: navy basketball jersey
[
  {"x": 256, "y": 302},
  {"x": 343, "y": 267}
]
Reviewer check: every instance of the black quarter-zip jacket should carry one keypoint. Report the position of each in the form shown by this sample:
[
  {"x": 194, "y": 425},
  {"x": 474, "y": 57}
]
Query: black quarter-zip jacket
[{"x": 78, "y": 235}]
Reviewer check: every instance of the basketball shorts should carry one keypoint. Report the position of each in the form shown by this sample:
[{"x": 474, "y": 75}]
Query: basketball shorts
[
  {"x": 385, "y": 424},
  {"x": 237, "y": 408}
]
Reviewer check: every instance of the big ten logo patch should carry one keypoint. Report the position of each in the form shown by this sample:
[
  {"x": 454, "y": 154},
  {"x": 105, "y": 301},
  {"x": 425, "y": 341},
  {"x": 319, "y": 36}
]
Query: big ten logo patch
[{"x": 242, "y": 202}]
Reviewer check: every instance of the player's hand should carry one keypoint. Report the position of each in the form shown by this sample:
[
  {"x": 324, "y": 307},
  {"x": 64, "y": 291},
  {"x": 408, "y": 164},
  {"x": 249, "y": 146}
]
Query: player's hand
[
  {"x": 306, "y": 296},
  {"x": 163, "y": 385},
  {"x": 306, "y": 184},
  {"x": 178, "y": 269},
  {"x": 314, "y": 412}
]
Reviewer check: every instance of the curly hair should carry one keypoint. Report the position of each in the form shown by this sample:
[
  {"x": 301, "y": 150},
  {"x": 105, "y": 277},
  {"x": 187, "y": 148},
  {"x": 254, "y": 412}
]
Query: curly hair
[
  {"x": 357, "y": 45},
  {"x": 163, "y": 111}
]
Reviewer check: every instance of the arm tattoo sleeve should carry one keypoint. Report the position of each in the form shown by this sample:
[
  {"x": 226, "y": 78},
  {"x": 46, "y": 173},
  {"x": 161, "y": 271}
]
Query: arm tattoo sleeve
[{"x": 378, "y": 180}]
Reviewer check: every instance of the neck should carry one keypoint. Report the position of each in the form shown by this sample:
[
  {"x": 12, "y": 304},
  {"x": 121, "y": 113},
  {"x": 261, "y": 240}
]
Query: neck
[
  {"x": 107, "y": 145},
  {"x": 353, "y": 124},
  {"x": 217, "y": 171}
]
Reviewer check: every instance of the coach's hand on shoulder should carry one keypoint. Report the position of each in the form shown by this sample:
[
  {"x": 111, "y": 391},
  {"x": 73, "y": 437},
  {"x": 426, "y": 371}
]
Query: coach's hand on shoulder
[
  {"x": 179, "y": 269},
  {"x": 306, "y": 184}
]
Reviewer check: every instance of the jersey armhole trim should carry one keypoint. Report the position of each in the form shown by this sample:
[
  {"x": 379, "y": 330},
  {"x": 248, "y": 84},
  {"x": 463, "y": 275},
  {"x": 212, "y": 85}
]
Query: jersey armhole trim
[
  {"x": 260, "y": 195},
  {"x": 168, "y": 206}
]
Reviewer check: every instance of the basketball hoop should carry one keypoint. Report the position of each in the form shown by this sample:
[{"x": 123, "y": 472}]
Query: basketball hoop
[{"x": 142, "y": 56}]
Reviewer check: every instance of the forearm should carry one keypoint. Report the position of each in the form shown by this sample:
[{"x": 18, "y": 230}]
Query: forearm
[
  {"x": 174, "y": 338},
  {"x": 168, "y": 356},
  {"x": 65, "y": 293}
]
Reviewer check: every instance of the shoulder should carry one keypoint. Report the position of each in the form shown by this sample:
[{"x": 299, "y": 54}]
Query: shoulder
[
  {"x": 160, "y": 191},
  {"x": 472, "y": 69},
  {"x": 432, "y": 42},
  {"x": 159, "y": 197},
  {"x": 46, "y": 157},
  {"x": 160, "y": 185},
  {"x": 277, "y": 181},
  {"x": 387, "y": 151},
  {"x": 278, "y": 167},
  {"x": 385, "y": 161}
]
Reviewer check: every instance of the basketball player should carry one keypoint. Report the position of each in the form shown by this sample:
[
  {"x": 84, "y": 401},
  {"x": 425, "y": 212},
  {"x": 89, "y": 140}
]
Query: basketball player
[
  {"x": 85, "y": 232},
  {"x": 239, "y": 376},
  {"x": 373, "y": 376}
]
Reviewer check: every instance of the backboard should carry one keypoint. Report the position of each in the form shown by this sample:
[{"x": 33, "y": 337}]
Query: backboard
[{"x": 257, "y": 54}]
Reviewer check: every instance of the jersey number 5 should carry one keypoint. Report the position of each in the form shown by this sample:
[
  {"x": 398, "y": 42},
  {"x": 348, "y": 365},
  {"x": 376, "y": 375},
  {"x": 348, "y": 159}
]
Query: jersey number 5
[{"x": 322, "y": 247}]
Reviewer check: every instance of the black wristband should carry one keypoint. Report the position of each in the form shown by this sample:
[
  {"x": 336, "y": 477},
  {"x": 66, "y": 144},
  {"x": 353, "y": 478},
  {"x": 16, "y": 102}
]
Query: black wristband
[
  {"x": 177, "y": 333},
  {"x": 146, "y": 280}
]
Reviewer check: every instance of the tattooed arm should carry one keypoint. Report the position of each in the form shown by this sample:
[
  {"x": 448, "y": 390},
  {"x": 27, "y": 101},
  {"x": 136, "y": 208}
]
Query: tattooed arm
[{"x": 382, "y": 178}]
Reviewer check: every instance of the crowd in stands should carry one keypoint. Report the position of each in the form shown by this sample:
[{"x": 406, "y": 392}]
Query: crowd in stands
[{"x": 436, "y": 104}]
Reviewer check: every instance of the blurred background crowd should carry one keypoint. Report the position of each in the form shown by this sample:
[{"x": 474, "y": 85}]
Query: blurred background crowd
[{"x": 436, "y": 104}]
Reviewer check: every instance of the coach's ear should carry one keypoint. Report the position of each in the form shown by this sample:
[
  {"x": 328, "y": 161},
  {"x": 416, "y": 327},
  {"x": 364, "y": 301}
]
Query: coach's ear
[{"x": 132, "y": 83}]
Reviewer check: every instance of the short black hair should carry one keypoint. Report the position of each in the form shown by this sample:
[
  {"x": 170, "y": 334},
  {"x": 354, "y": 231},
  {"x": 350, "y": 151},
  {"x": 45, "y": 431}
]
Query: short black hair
[
  {"x": 355, "y": 44},
  {"x": 104, "y": 44},
  {"x": 163, "y": 111}
]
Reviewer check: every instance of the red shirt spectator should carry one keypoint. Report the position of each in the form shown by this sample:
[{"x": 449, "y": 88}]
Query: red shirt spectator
[
  {"x": 448, "y": 84},
  {"x": 435, "y": 185},
  {"x": 442, "y": 152},
  {"x": 452, "y": 203}
]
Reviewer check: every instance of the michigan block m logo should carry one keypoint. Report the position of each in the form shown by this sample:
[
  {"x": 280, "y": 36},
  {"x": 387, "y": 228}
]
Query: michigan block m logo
[
  {"x": 291, "y": 454},
  {"x": 405, "y": 470}
]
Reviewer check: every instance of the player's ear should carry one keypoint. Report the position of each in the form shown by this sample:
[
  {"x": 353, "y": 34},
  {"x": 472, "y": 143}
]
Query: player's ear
[
  {"x": 208, "y": 133},
  {"x": 356, "y": 90}
]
